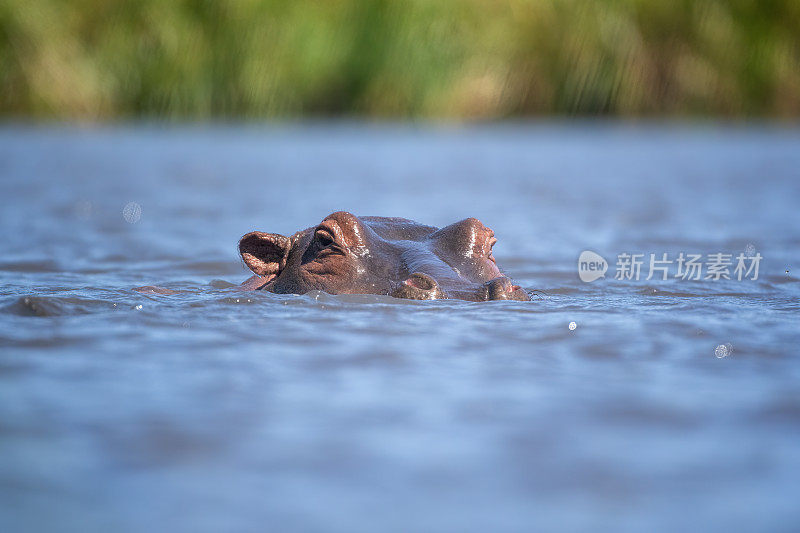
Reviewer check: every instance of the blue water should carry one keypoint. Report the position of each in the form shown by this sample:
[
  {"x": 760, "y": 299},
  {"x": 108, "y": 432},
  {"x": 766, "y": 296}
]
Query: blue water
[{"x": 672, "y": 405}]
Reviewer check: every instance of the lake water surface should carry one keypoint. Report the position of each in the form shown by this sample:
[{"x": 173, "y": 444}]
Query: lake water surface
[{"x": 668, "y": 405}]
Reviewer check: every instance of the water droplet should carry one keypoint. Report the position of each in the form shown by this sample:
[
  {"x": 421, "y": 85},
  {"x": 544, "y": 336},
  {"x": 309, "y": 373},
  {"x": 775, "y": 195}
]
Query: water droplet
[
  {"x": 572, "y": 326},
  {"x": 137, "y": 307},
  {"x": 132, "y": 212},
  {"x": 723, "y": 350}
]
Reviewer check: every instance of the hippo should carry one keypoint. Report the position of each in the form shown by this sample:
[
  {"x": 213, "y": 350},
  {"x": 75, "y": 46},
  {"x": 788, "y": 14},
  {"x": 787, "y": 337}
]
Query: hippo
[{"x": 348, "y": 254}]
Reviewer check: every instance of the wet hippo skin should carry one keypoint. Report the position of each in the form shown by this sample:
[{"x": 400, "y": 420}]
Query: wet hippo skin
[{"x": 346, "y": 254}]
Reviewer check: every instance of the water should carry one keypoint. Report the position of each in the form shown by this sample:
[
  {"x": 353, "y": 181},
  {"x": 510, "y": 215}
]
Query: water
[{"x": 215, "y": 410}]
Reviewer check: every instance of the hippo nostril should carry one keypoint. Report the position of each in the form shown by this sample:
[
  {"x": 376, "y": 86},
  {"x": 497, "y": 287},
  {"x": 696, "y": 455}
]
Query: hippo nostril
[
  {"x": 421, "y": 281},
  {"x": 418, "y": 286},
  {"x": 502, "y": 289}
]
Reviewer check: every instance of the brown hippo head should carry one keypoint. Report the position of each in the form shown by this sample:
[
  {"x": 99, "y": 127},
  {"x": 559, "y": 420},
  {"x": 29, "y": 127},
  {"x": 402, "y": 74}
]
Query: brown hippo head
[{"x": 346, "y": 254}]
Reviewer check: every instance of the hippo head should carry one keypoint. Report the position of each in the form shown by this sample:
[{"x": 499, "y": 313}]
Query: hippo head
[{"x": 346, "y": 254}]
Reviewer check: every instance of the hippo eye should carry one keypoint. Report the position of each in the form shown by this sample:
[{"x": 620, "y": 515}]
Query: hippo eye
[{"x": 324, "y": 238}]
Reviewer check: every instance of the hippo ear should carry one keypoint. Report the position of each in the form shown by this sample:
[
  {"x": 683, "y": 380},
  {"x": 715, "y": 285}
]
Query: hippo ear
[{"x": 265, "y": 253}]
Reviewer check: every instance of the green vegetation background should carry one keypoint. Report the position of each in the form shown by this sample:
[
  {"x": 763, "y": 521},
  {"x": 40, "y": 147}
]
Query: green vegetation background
[{"x": 186, "y": 59}]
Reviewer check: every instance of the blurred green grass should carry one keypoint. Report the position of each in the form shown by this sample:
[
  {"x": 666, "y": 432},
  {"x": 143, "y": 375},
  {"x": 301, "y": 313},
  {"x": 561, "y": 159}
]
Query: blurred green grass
[{"x": 195, "y": 59}]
